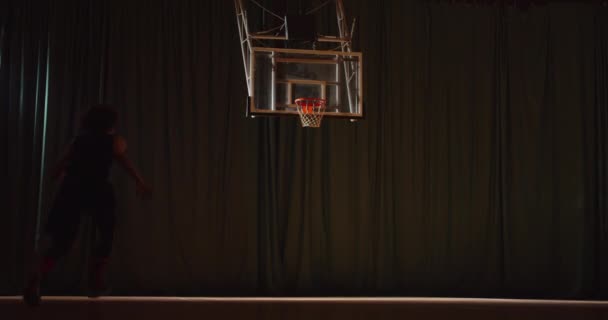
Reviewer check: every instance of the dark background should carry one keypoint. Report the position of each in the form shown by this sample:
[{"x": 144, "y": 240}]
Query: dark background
[{"x": 480, "y": 169}]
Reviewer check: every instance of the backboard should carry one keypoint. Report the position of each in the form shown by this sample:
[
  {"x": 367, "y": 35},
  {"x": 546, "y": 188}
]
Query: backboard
[{"x": 280, "y": 76}]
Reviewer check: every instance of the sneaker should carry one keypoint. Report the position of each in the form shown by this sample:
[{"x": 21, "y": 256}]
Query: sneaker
[
  {"x": 31, "y": 294},
  {"x": 97, "y": 282}
]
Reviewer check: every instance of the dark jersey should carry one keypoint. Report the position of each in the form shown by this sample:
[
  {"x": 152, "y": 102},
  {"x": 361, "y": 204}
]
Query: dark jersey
[{"x": 91, "y": 158}]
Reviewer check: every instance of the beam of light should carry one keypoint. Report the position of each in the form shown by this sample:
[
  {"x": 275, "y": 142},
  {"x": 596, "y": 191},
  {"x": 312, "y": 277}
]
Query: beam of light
[{"x": 43, "y": 151}]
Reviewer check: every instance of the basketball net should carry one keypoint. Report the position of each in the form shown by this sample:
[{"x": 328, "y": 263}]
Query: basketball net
[{"x": 311, "y": 111}]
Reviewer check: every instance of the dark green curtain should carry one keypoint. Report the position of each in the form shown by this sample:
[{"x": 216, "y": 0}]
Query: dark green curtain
[{"x": 480, "y": 169}]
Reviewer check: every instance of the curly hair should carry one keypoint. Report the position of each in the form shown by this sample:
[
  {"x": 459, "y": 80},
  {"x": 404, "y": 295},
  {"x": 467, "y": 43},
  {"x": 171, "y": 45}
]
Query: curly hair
[{"x": 99, "y": 119}]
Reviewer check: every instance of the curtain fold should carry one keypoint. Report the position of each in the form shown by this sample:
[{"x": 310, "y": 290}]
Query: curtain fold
[{"x": 479, "y": 169}]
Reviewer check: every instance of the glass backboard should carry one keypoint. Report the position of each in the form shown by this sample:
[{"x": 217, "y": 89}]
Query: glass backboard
[{"x": 280, "y": 76}]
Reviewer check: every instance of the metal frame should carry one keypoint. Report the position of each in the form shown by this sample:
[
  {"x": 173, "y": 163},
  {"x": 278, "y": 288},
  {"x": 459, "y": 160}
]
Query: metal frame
[{"x": 343, "y": 39}]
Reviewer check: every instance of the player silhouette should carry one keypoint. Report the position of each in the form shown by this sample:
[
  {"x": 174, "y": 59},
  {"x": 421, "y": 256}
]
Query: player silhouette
[{"x": 85, "y": 187}]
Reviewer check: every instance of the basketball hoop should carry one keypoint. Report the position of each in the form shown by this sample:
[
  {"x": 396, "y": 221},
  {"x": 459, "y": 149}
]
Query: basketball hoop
[{"x": 311, "y": 111}]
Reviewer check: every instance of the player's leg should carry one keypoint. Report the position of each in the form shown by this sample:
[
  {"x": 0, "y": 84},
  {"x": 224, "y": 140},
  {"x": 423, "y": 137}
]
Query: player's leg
[
  {"x": 104, "y": 219},
  {"x": 61, "y": 230}
]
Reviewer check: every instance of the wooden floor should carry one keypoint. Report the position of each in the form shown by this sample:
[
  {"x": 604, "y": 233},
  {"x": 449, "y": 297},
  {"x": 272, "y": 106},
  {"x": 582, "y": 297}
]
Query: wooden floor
[{"x": 174, "y": 308}]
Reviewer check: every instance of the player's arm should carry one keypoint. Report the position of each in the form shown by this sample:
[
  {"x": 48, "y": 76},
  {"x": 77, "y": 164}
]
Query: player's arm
[{"x": 120, "y": 154}]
